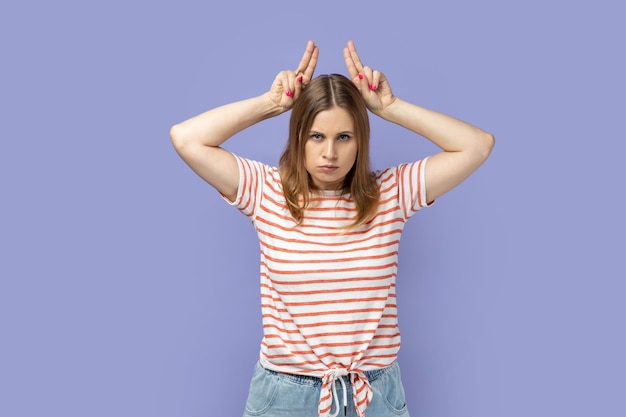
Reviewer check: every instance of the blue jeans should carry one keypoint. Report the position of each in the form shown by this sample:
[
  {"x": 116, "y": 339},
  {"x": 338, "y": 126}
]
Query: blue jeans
[{"x": 274, "y": 394}]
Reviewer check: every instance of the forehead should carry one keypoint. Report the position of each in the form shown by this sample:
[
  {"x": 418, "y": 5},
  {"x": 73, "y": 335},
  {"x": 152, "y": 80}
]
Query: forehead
[{"x": 334, "y": 119}]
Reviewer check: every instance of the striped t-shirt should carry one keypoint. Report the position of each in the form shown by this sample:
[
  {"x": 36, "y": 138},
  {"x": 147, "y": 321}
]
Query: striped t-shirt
[{"x": 328, "y": 294}]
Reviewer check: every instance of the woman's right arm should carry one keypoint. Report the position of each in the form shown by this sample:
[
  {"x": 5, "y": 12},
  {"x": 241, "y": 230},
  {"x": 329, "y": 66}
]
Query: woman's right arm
[{"x": 197, "y": 140}]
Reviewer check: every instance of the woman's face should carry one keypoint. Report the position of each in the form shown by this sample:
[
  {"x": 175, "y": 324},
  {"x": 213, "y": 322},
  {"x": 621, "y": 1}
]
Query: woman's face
[{"x": 330, "y": 149}]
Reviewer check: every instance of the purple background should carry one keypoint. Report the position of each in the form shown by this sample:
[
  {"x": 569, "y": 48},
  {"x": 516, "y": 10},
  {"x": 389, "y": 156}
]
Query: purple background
[{"x": 128, "y": 288}]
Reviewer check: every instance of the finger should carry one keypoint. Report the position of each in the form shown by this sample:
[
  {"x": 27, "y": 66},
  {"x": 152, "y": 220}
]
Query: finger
[
  {"x": 368, "y": 75},
  {"x": 291, "y": 80},
  {"x": 355, "y": 56},
  {"x": 306, "y": 57},
  {"x": 375, "y": 83},
  {"x": 310, "y": 69},
  {"x": 363, "y": 81},
  {"x": 308, "y": 74},
  {"x": 287, "y": 84},
  {"x": 384, "y": 83},
  {"x": 298, "y": 85},
  {"x": 350, "y": 66},
  {"x": 277, "y": 85}
]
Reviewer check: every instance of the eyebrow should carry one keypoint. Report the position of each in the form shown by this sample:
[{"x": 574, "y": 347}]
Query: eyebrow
[{"x": 339, "y": 133}]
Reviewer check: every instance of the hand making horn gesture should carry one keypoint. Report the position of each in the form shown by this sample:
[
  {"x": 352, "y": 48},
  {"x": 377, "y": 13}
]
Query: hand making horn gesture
[
  {"x": 288, "y": 84},
  {"x": 372, "y": 83}
]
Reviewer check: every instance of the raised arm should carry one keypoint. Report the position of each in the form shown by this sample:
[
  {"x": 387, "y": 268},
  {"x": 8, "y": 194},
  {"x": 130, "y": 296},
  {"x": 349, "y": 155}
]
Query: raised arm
[
  {"x": 198, "y": 139},
  {"x": 464, "y": 147}
]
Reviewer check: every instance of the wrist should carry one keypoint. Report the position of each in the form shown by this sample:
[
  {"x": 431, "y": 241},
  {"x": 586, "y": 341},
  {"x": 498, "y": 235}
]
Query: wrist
[
  {"x": 391, "y": 111},
  {"x": 268, "y": 107}
]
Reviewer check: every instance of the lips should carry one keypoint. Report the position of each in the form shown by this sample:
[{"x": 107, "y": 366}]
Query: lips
[{"x": 328, "y": 168}]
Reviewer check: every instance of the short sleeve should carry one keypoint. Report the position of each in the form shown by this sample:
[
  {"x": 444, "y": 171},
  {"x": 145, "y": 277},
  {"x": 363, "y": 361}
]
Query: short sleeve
[
  {"x": 250, "y": 189},
  {"x": 412, "y": 187}
]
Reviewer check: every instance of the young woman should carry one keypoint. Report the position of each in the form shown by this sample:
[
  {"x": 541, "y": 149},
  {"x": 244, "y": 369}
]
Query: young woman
[{"x": 329, "y": 230}]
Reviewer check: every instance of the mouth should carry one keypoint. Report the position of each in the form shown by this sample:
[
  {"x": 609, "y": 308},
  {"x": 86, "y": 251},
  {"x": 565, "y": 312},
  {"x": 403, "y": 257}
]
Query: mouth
[{"x": 328, "y": 168}]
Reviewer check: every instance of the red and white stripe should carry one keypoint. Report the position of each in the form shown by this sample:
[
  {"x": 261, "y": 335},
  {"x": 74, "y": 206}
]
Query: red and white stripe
[{"x": 328, "y": 295}]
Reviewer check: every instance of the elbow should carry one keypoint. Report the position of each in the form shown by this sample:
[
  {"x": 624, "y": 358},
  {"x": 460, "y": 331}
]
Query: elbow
[
  {"x": 177, "y": 136},
  {"x": 487, "y": 143}
]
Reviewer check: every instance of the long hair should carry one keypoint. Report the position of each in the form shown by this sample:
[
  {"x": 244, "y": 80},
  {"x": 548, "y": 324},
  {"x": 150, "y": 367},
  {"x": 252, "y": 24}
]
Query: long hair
[{"x": 324, "y": 93}]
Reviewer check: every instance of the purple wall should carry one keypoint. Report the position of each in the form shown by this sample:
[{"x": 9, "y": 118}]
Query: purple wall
[{"x": 128, "y": 288}]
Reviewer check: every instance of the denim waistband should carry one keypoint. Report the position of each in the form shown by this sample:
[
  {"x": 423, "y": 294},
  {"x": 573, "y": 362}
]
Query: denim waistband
[{"x": 314, "y": 381}]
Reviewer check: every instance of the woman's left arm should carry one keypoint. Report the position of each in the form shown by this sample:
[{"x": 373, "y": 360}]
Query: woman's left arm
[{"x": 464, "y": 147}]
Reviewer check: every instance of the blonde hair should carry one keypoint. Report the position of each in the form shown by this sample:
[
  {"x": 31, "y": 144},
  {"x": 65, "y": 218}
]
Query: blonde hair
[{"x": 324, "y": 93}]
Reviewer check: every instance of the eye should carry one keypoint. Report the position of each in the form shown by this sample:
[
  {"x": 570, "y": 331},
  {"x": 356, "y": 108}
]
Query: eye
[
  {"x": 316, "y": 136},
  {"x": 343, "y": 137}
]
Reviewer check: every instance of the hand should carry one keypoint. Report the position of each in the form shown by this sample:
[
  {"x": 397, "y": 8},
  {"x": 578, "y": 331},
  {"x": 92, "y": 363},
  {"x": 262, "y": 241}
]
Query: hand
[
  {"x": 373, "y": 84},
  {"x": 288, "y": 85}
]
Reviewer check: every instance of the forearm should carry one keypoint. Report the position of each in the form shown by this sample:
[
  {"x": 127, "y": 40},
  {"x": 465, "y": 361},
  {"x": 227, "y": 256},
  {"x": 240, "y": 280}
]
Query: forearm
[
  {"x": 447, "y": 132},
  {"x": 214, "y": 127}
]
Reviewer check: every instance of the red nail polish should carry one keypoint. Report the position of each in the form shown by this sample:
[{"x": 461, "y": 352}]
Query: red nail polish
[
  {"x": 300, "y": 79},
  {"x": 371, "y": 86},
  {"x": 374, "y": 87},
  {"x": 289, "y": 94},
  {"x": 360, "y": 76}
]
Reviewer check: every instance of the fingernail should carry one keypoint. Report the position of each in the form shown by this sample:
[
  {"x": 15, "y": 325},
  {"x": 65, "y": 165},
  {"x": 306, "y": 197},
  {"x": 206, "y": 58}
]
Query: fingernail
[
  {"x": 360, "y": 76},
  {"x": 300, "y": 79},
  {"x": 374, "y": 87},
  {"x": 289, "y": 94},
  {"x": 371, "y": 86}
]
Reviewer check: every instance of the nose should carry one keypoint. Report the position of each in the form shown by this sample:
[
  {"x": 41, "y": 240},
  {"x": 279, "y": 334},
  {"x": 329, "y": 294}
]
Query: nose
[{"x": 330, "y": 151}]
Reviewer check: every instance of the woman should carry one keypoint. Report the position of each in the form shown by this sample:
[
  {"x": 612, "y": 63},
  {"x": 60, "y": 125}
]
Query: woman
[{"x": 329, "y": 230}]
